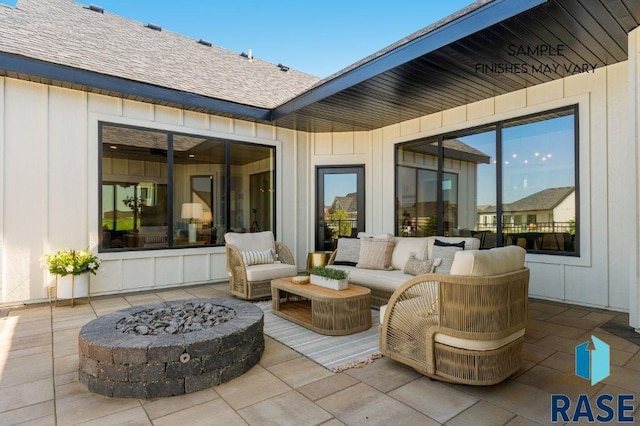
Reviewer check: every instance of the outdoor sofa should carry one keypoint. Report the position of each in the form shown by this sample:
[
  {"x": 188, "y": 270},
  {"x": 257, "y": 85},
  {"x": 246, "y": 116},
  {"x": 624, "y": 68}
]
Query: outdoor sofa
[{"x": 384, "y": 276}]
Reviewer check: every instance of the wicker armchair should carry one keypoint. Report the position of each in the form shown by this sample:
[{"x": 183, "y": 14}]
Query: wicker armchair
[
  {"x": 251, "y": 282},
  {"x": 458, "y": 329}
]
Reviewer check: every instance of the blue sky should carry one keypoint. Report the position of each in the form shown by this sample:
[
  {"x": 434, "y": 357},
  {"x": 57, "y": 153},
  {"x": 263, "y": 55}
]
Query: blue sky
[{"x": 319, "y": 38}]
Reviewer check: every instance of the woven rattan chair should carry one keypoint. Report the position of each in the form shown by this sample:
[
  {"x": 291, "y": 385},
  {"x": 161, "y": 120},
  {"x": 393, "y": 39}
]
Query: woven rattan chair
[
  {"x": 252, "y": 282},
  {"x": 458, "y": 329}
]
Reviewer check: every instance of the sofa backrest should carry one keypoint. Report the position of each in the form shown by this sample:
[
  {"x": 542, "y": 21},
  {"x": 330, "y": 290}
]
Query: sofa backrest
[
  {"x": 403, "y": 248},
  {"x": 481, "y": 263},
  {"x": 254, "y": 241}
]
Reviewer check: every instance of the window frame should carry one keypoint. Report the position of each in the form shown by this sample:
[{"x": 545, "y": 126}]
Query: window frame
[
  {"x": 497, "y": 126},
  {"x": 170, "y": 184}
]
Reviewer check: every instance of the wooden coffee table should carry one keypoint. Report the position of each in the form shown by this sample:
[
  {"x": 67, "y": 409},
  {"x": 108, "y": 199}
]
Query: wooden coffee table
[{"x": 323, "y": 310}]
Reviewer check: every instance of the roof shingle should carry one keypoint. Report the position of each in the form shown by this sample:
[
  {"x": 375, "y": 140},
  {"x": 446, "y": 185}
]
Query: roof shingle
[{"x": 67, "y": 33}]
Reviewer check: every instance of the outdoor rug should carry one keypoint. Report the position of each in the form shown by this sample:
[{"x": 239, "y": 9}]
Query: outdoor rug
[{"x": 336, "y": 353}]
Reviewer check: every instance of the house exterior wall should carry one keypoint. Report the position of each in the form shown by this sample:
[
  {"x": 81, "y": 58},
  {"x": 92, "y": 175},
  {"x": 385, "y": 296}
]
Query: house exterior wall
[
  {"x": 604, "y": 275},
  {"x": 49, "y": 163},
  {"x": 50, "y": 157},
  {"x": 596, "y": 278}
]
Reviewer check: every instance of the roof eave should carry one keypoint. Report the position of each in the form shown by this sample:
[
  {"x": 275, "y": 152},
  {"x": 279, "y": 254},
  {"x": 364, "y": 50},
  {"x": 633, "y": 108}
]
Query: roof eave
[
  {"x": 10, "y": 63},
  {"x": 481, "y": 18}
]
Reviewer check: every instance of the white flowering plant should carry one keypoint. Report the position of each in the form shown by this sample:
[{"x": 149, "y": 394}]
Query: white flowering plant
[{"x": 74, "y": 262}]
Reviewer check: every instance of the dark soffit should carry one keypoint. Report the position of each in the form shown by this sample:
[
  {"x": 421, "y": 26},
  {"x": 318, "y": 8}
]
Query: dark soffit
[{"x": 444, "y": 68}]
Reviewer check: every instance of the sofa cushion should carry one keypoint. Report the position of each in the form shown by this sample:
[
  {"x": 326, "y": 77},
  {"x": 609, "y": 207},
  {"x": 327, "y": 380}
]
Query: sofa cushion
[
  {"x": 470, "y": 243},
  {"x": 254, "y": 241},
  {"x": 443, "y": 258},
  {"x": 404, "y": 247},
  {"x": 270, "y": 271},
  {"x": 347, "y": 252},
  {"x": 417, "y": 267},
  {"x": 375, "y": 279},
  {"x": 496, "y": 261},
  {"x": 375, "y": 254}
]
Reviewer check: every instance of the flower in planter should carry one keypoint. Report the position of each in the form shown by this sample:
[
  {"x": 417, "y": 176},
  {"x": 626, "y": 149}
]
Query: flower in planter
[{"x": 74, "y": 262}]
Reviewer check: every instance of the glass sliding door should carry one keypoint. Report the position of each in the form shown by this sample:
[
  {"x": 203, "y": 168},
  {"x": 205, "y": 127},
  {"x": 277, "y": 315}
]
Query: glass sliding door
[{"x": 339, "y": 204}]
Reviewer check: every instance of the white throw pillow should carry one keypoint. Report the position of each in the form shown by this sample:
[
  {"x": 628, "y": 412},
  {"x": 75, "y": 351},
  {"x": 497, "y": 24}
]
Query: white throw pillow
[{"x": 258, "y": 257}]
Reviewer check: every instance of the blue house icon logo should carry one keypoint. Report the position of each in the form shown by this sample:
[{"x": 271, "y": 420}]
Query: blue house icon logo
[{"x": 592, "y": 362}]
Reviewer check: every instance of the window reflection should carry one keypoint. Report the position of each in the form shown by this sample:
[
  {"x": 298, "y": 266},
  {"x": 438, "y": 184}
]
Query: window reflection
[
  {"x": 538, "y": 197},
  {"x": 134, "y": 188},
  {"x": 216, "y": 186},
  {"x": 539, "y": 203}
]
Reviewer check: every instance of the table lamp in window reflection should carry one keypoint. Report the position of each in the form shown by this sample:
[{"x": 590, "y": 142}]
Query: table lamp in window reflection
[{"x": 193, "y": 213}]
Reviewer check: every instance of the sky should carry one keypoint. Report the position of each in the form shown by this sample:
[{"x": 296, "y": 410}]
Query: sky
[{"x": 319, "y": 38}]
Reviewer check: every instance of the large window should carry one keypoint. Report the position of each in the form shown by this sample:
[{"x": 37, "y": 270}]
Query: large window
[
  {"x": 511, "y": 182},
  {"x": 164, "y": 189}
]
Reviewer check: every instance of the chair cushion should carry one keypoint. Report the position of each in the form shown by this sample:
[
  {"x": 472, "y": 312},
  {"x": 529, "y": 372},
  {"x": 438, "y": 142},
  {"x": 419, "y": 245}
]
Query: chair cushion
[
  {"x": 477, "y": 345},
  {"x": 496, "y": 261},
  {"x": 254, "y": 241},
  {"x": 270, "y": 271},
  {"x": 404, "y": 247}
]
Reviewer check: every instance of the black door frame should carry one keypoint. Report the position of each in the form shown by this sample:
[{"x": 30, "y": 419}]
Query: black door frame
[{"x": 321, "y": 171}]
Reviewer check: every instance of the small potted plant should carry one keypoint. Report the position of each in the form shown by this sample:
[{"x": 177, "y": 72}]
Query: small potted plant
[
  {"x": 72, "y": 268},
  {"x": 335, "y": 279}
]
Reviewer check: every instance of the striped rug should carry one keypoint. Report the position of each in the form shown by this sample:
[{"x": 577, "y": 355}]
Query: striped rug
[{"x": 336, "y": 353}]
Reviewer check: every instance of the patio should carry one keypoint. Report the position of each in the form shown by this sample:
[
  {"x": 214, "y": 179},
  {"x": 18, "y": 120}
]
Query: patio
[{"x": 39, "y": 379}]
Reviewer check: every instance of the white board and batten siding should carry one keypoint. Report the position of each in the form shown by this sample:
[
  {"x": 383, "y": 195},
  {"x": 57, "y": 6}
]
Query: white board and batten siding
[{"x": 49, "y": 147}]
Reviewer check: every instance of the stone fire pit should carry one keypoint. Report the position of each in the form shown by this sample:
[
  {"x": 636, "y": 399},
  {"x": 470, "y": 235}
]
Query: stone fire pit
[{"x": 170, "y": 348}]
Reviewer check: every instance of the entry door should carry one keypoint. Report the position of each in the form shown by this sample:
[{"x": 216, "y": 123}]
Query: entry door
[{"x": 339, "y": 204}]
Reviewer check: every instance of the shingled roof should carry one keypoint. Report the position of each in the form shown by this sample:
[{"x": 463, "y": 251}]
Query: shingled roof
[
  {"x": 67, "y": 33},
  {"x": 547, "y": 199}
]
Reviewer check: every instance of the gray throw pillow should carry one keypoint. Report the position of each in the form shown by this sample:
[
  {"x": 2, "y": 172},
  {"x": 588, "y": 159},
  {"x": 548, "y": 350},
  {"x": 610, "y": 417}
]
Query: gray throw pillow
[
  {"x": 348, "y": 252},
  {"x": 445, "y": 254}
]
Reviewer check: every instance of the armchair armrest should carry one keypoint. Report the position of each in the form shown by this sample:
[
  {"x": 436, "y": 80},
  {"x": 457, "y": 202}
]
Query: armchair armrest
[
  {"x": 284, "y": 254},
  {"x": 411, "y": 319}
]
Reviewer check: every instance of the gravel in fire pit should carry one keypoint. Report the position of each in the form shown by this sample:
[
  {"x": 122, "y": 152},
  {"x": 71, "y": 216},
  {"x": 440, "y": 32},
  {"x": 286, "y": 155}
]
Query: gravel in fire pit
[{"x": 175, "y": 319}]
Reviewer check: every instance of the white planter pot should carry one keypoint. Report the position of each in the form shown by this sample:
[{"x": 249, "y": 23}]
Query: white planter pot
[
  {"x": 329, "y": 283},
  {"x": 79, "y": 283}
]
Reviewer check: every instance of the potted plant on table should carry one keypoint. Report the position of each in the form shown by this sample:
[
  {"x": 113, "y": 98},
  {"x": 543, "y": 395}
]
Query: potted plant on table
[
  {"x": 72, "y": 269},
  {"x": 335, "y": 279}
]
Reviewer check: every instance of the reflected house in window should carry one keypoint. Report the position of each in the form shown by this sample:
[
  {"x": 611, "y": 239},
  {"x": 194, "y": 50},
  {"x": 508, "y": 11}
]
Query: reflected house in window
[
  {"x": 342, "y": 215},
  {"x": 417, "y": 184},
  {"x": 541, "y": 221}
]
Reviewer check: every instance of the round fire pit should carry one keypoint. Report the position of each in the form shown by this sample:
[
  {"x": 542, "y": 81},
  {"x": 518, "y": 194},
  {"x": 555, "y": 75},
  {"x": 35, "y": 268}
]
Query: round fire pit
[{"x": 170, "y": 348}]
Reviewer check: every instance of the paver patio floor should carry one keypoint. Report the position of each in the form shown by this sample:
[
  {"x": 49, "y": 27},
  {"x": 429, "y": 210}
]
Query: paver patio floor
[{"x": 39, "y": 380}]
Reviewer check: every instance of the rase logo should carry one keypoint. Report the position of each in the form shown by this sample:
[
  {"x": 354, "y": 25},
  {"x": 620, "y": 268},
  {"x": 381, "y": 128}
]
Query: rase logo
[{"x": 592, "y": 363}]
